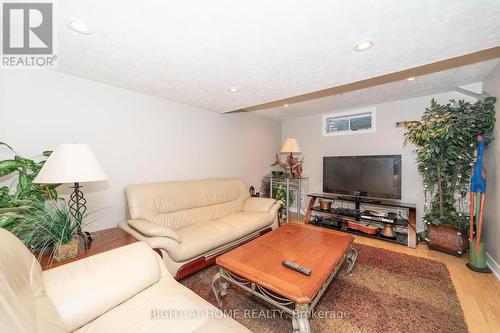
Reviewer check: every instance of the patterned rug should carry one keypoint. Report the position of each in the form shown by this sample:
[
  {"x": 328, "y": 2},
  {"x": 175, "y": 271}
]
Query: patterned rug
[{"x": 387, "y": 292}]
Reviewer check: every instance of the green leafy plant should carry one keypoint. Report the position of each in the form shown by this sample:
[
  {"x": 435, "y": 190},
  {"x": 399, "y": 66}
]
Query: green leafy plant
[
  {"x": 445, "y": 138},
  {"x": 45, "y": 225},
  {"x": 265, "y": 186},
  {"x": 25, "y": 193},
  {"x": 279, "y": 191},
  {"x": 280, "y": 194}
]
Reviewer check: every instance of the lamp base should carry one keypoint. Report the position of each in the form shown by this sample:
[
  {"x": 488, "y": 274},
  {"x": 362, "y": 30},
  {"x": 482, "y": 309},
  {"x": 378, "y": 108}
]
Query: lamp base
[{"x": 77, "y": 208}]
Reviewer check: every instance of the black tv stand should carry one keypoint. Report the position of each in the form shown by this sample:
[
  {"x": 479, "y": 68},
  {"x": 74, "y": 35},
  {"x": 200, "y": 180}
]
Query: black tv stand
[
  {"x": 344, "y": 222},
  {"x": 359, "y": 199}
]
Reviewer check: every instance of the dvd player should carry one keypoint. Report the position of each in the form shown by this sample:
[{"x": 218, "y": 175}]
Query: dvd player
[
  {"x": 345, "y": 211},
  {"x": 377, "y": 218}
]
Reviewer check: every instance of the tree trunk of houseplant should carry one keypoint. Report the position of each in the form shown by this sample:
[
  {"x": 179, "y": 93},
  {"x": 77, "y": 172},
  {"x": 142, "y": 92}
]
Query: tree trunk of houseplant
[{"x": 446, "y": 238}]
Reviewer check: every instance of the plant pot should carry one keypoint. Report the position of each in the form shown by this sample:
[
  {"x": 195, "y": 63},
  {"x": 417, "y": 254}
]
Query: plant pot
[
  {"x": 66, "y": 251},
  {"x": 447, "y": 238}
]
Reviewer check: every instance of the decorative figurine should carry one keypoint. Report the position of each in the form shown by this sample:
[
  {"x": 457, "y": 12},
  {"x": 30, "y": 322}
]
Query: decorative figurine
[
  {"x": 292, "y": 167},
  {"x": 477, "y": 200}
]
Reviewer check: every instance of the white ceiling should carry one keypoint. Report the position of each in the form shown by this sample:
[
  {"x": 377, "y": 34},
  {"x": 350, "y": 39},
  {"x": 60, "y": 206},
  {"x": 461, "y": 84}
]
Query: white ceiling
[
  {"x": 192, "y": 51},
  {"x": 429, "y": 84}
]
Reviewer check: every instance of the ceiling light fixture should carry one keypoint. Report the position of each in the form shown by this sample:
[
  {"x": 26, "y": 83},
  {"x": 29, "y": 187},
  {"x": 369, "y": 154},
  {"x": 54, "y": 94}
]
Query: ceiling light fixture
[
  {"x": 410, "y": 79},
  {"x": 78, "y": 26},
  {"x": 233, "y": 90},
  {"x": 363, "y": 45}
]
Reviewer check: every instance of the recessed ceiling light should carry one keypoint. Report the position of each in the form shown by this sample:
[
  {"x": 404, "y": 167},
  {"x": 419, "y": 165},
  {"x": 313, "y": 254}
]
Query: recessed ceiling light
[
  {"x": 233, "y": 90},
  {"x": 410, "y": 79},
  {"x": 363, "y": 45},
  {"x": 285, "y": 105},
  {"x": 78, "y": 26}
]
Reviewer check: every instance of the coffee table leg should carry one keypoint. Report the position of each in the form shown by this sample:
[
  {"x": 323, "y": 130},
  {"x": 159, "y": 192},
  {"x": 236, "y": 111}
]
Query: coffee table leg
[
  {"x": 351, "y": 255},
  {"x": 300, "y": 319},
  {"x": 219, "y": 288}
]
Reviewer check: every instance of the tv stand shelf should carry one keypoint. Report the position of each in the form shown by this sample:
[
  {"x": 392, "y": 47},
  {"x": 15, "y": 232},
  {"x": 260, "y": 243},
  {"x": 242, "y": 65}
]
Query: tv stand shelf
[{"x": 346, "y": 222}]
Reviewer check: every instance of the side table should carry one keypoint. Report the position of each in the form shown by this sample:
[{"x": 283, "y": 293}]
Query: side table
[{"x": 102, "y": 241}]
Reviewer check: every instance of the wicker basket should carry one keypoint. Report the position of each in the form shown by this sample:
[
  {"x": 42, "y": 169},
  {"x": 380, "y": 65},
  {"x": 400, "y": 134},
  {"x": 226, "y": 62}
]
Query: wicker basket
[{"x": 447, "y": 238}]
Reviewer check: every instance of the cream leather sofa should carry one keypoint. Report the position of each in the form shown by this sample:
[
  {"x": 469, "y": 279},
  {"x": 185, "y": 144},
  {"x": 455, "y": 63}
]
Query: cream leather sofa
[
  {"x": 191, "y": 222},
  {"x": 124, "y": 290}
]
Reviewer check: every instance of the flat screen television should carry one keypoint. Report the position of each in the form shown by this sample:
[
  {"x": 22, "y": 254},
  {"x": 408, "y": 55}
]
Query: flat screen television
[{"x": 377, "y": 176}]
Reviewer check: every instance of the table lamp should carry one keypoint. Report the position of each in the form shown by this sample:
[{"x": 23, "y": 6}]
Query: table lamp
[
  {"x": 290, "y": 146},
  {"x": 72, "y": 163}
]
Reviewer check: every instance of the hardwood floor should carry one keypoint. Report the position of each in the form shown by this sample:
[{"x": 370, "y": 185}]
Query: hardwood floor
[{"x": 479, "y": 294}]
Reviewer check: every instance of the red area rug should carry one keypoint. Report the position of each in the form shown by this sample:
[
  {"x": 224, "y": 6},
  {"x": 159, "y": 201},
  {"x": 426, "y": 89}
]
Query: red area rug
[{"x": 387, "y": 292}]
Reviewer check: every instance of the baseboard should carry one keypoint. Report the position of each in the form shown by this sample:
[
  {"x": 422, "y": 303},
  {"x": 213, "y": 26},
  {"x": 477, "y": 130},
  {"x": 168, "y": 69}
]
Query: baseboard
[{"x": 493, "y": 265}]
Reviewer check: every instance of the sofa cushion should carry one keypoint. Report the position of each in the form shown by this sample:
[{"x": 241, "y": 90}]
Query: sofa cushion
[
  {"x": 188, "y": 217},
  {"x": 204, "y": 237},
  {"x": 262, "y": 205},
  {"x": 247, "y": 222},
  {"x": 101, "y": 282},
  {"x": 150, "y": 229},
  {"x": 147, "y": 201},
  {"x": 166, "y": 306},
  {"x": 201, "y": 238},
  {"x": 24, "y": 304}
]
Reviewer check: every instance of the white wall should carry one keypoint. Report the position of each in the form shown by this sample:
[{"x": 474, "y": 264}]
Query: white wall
[
  {"x": 386, "y": 140},
  {"x": 491, "y": 230},
  {"x": 137, "y": 138}
]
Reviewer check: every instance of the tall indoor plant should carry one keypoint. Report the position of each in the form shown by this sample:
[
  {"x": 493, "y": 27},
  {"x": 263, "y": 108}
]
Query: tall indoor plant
[
  {"x": 23, "y": 193},
  {"x": 445, "y": 139}
]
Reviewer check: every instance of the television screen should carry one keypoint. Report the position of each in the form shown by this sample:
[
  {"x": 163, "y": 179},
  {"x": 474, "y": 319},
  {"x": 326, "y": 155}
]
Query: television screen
[{"x": 369, "y": 176}]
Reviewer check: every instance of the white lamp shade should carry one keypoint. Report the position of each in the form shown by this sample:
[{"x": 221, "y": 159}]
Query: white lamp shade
[
  {"x": 290, "y": 146},
  {"x": 71, "y": 163}
]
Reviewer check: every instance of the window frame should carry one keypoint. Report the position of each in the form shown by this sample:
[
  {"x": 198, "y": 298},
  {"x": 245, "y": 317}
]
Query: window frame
[{"x": 348, "y": 115}]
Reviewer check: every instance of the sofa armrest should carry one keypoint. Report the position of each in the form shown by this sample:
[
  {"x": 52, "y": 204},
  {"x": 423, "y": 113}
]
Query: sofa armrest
[
  {"x": 85, "y": 289},
  {"x": 256, "y": 204},
  {"x": 150, "y": 229}
]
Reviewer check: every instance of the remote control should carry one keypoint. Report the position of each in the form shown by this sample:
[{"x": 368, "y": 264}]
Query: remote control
[{"x": 296, "y": 267}]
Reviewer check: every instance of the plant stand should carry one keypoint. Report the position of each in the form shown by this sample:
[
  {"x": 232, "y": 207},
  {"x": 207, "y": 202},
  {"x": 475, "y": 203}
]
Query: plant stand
[{"x": 296, "y": 185}]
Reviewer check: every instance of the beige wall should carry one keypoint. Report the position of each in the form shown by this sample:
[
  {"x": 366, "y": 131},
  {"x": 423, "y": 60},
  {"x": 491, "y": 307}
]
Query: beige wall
[
  {"x": 492, "y": 164},
  {"x": 386, "y": 140},
  {"x": 137, "y": 138}
]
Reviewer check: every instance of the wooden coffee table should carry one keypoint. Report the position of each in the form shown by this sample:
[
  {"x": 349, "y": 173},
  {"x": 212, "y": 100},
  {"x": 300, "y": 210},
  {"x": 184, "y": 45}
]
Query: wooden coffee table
[{"x": 256, "y": 268}]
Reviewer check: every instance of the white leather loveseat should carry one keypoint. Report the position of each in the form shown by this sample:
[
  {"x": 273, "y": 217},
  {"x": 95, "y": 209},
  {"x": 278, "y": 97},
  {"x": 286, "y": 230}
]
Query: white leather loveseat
[
  {"x": 191, "y": 222},
  {"x": 123, "y": 290}
]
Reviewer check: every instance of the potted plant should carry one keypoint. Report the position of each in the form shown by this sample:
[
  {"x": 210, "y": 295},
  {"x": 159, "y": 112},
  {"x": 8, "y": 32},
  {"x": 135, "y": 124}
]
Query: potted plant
[
  {"x": 22, "y": 193},
  {"x": 279, "y": 193},
  {"x": 281, "y": 197},
  {"x": 445, "y": 139},
  {"x": 48, "y": 227}
]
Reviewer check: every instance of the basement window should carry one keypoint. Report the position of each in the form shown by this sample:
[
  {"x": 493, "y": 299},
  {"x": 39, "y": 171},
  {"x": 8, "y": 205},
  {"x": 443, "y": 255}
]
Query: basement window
[{"x": 351, "y": 122}]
